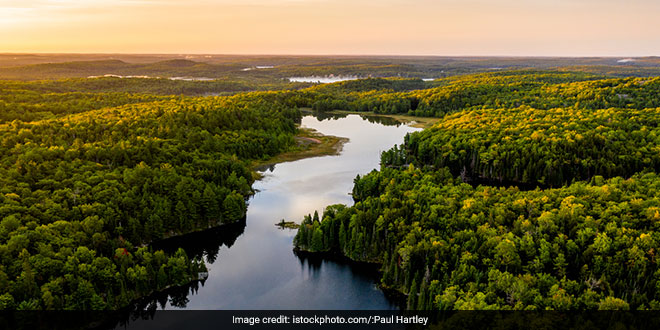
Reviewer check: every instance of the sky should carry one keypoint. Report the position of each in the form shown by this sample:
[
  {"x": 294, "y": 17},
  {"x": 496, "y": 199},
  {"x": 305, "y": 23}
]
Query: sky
[{"x": 333, "y": 27}]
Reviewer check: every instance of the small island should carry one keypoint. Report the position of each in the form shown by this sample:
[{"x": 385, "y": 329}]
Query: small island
[{"x": 287, "y": 224}]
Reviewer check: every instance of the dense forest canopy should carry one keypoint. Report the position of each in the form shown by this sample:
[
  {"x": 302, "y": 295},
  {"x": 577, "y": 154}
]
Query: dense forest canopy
[
  {"x": 95, "y": 170},
  {"x": 158, "y": 86},
  {"x": 83, "y": 194},
  {"x": 450, "y": 216},
  {"x": 547, "y": 147},
  {"x": 449, "y": 245},
  {"x": 537, "y": 89}
]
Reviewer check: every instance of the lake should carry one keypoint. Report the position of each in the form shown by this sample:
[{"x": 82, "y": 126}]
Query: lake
[
  {"x": 322, "y": 79},
  {"x": 252, "y": 264}
]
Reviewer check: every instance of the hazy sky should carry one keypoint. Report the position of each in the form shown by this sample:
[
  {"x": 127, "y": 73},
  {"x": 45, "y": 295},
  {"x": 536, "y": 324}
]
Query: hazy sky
[{"x": 393, "y": 27}]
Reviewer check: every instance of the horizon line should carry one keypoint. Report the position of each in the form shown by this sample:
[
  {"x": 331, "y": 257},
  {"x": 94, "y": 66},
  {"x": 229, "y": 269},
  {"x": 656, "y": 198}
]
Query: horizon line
[{"x": 327, "y": 55}]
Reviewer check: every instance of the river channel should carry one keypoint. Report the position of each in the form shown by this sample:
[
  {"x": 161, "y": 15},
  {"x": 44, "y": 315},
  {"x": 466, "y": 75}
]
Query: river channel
[{"x": 252, "y": 264}]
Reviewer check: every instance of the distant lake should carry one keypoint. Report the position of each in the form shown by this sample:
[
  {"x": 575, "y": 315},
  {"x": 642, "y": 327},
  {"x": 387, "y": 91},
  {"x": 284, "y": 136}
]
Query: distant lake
[
  {"x": 110, "y": 75},
  {"x": 257, "y": 67},
  {"x": 191, "y": 78},
  {"x": 322, "y": 80},
  {"x": 149, "y": 77}
]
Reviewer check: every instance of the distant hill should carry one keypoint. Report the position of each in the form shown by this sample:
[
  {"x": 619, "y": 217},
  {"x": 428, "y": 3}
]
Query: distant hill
[
  {"x": 81, "y": 69},
  {"x": 52, "y": 66}
]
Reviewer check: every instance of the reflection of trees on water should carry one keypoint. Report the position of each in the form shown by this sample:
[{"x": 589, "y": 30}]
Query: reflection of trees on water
[
  {"x": 374, "y": 119},
  {"x": 313, "y": 262},
  {"x": 387, "y": 121},
  {"x": 321, "y": 116},
  {"x": 205, "y": 243}
]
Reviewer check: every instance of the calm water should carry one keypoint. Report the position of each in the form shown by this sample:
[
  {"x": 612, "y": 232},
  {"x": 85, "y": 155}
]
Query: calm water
[
  {"x": 148, "y": 77},
  {"x": 252, "y": 265},
  {"x": 322, "y": 80}
]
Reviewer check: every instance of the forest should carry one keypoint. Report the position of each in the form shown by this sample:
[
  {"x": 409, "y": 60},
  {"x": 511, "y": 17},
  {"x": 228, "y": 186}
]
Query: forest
[
  {"x": 275, "y": 67},
  {"x": 536, "y": 189},
  {"x": 88, "y": 187},
  {"x": 510, "y": 89},
  {"x": 533, "y": 191}
]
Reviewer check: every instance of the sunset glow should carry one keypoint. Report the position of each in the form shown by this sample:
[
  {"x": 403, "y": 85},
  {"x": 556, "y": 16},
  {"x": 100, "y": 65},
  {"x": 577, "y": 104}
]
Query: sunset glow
[{"x": 419, "y": 27}]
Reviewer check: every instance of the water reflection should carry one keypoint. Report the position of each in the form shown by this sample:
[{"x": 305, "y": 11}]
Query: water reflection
[
  {"x": 204, "y": 244},
  {"x": 322, "y": 79},
  {"x": 383, "y": 120},
  {"x": 374, "y": 119},
  {"x": 252, "y": 264}
]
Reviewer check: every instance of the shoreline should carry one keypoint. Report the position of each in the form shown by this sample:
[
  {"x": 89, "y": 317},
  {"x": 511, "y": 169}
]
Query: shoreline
[
  {"x": 309, "y": 144},
  {"x": 413, "y": 121},
  {"x": 393, "y": 294}
]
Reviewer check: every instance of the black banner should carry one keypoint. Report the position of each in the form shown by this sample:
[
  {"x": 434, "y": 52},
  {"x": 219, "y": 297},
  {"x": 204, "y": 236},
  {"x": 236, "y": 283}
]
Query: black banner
[{"x": 287, "y": 319}]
